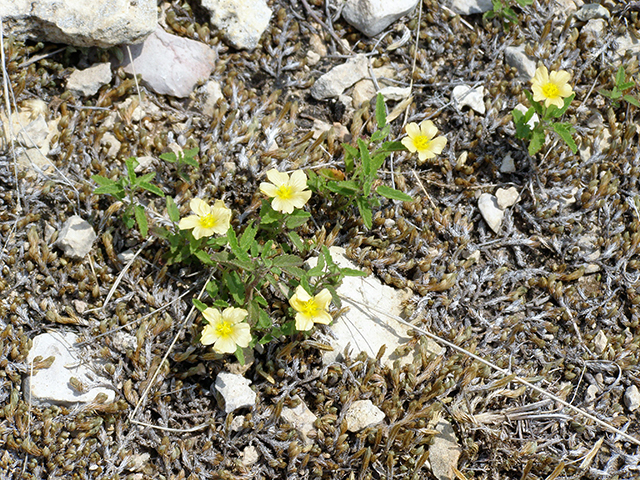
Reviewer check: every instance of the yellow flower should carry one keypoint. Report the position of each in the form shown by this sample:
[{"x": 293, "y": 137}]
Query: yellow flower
[
  {"x": 310, "y": 309},
  {"x": 288, "y": 193},
  {"x": 226, "y": 330},
  {"x": 421, "y": 139},
  {"x": 551, "y": 88},
  {"x": 207, "y": 220}
]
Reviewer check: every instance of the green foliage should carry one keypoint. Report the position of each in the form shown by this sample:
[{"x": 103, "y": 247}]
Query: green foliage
[
  {"x": 502, "y": 10},
  {"x": 182, "y": 160},
  {"x": 361, "y": 171},
  {"x": 126, "y": 190},
  {"x": 619, "y": 89},
  {"x": 537, "y": 134}
]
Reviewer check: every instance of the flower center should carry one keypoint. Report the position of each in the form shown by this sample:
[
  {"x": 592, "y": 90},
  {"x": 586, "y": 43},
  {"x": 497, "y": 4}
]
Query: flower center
[
  {"x": 208, "y": 221},
  {"x": 421, "y": 142},
  {"x": 285, "y": 192},
  {"x": 550, "y": 90},
  {"x": 310, "y": 308},
  {"x": 224, "y": 329}
]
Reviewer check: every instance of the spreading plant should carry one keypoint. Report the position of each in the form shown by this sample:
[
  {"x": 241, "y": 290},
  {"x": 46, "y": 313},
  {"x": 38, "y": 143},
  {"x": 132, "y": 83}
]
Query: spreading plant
[
  {"x": 501, "y": 9},
  {"x": 618, "y": 92}
]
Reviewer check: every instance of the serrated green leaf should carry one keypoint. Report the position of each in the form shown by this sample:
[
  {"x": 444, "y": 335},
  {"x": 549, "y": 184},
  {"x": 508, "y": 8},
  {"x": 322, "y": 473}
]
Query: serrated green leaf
[
  {"x": 296, "y": 240},
  {"x": 212, "y": 289},
  {"x": 294, "y": 272},
  {"x": 131, "y": 164},
  {"x": 347, "y": 188},
  {"x": 114, "y": 189},
  {"x": 381, "y": 111},
  {"x": 169, "y": 157},
  {"x": 201, "y": 306},
  {"x": 620, "y": 76},
  {"x": 365, "y": 158},
  {"x": 377, "y": 136},
  {"x": 537, "y": 141},
  {"x": 172, "y": 210},
  {"x": 565, "y": 133},
  {"x": 141, "y": 220},
  {"x": 392, "y": 147},
  {"x": 352, "y": 272},
  {"x": 239, "y": 355},
  {"x": 287, "y": 261},
  {"x": 365, "y": 211},
  {"x": 235, "y": 286},
  {"x": 393, "y": 194},
  {"x": 150, "y": 187},
  {"x": 191, "y": 162},
  {"x": 147, "y": 177},
  {"x": 298, "y": 218},
  {"x": 248, "y": 236},
  {"x": 104, "y": 181},
  {"x": 203, "y": 257},
  {"x": 632, "y": 100},
  {"x": 350, "y": 149}
]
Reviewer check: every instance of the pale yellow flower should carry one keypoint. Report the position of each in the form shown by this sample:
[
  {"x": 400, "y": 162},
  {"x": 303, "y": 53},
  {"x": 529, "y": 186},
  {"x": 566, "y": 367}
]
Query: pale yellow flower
[
  {"x": 207, "y": 220},
  {"x": 226, "y": 330},
  {"x": 287, "y": 192},
  {"x": 552, "y": 88},
  {"x": 310, "y": 309},
  {"x": 422, "y": 139}
]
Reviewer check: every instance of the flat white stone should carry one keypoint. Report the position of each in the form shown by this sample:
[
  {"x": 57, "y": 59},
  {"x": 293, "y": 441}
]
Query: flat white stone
[
  {"x": 507, "y": 197},
  {"x": 250, "y": 455},
  {"x": 515, "y": 57},
  {"x": 242, "y": 22},
  {"x": 490, "y": 211},
  {"x": 76, "y": 237},
  {"x": 600, "y": 342},
  {"x": 469, "y": 7},
  {"x": 87, "y": 82},
  {"x": 591, "y": 394},
  {"x": 372, "y": 16},
  {"x": 341, "y": 77},
  {"x": 395, "y": 93},
  {"x": 362, "y": 414},
  {"x": 301, "y": 418},
  {"x": 465, "y": 96},
  {"x": 444, "y": 452},
  {"x": 632, "y": 398},
  {"x": 51, "y": 386},
  {"x": 234, "y": 392},
  {"x": 590, "y": 11}
]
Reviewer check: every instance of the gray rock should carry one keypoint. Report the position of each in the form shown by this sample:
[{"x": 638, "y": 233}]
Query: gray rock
[
  {"x": 444, "y": 452},
  {"x": 373, "y": 16},
  {"x": 590, "y": 11},
  {"x": 110, "y": 141},
  {"x": 51, "y": 386},
  {"x": 492, "y": 214},
  {"x": 87, "y": 82},
  {"x": 468, "y": 7},
  {"x": 363, "y": 91},
  {"x": 170, "y": 65},
  {"x": 242, "y": 22},
  {"x": 591, "y": 394},
  {"x": 516, "y": 58},
  {"x": 339, "y": 78},
  {"x": 362, "y": 414},
  {"x": 600, "y": 342},
  {"x": 234, "y": 392},
  {"x": 506, "y": 197},
  {"x": 626, "y": 43},
  {"x": 593, "y": 31},
  {"x": 76, "y": 237},
  {"x": 632, "y": 398},
  {"x": 364, "y": 328},
  {"x": 301, "y": 418},
  {"x": 465, "y": 96},
  {"x": 507, "y": 165},
  {"x": 99, "y": 23}
]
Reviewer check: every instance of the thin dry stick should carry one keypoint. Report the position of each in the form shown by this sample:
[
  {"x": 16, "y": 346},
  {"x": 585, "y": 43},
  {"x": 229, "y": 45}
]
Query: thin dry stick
[
  {"x": 135, "y": 77},
  {"x": 516, "y": 378},
  {"x": 330, "y": 31},
  {"x": 164, "y": 359}
]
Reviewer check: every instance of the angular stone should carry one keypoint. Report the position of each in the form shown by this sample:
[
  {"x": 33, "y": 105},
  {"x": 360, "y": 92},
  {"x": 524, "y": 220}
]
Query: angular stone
[
  {"x": 76, "y": 237},
  {"x": 170, "y": 65},
  {"x": 234, "y": 392},
  {"x": 373, "y": 16},
  {"x": 99, "y": 23},
  {"x": 506, "y": 197},
  {"x": 515, "y": 57},
  {"x": 444, "y": 452},
  {"x": 469, "y": 7},
  {"x": 242, "y": 22},
  {"x": 87, "y": 82},
  {"x": 507, "y": 165},
  {"x": 213, "y": 93},
  {"x": 490, "y": 211},
  {"x": 600, "y": 342},
  {"x": 465, "y": 96},
  {"x": 632, "y": 398},
  {"x": 362, "y": 414},
  {"x": 339, "y": 78},
  {"x": 590, "y": 11},
  {"x": 52, "y": 386},
  {"x": 301, "y": 418}
]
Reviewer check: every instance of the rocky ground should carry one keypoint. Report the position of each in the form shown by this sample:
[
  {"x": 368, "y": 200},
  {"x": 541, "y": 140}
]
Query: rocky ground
[{"x": 540, "y": 277}]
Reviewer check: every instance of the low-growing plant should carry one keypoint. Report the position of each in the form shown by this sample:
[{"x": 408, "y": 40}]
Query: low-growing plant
[
  {"x": 182, "y": 160},
  {"x": 551, "y": 97},
  {"x": 501, "y": 9},
  {"x": 618, "y": 92}
]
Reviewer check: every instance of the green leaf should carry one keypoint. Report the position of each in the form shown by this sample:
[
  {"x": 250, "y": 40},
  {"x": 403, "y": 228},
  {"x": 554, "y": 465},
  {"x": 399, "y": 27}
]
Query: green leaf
[
  {"x": 268, "y": 214},
  {"x": 203, "y": 257},
  {"x": 287, "y": 261},
  {"x": 201, "y": 306},
  {"x": 348, "y": 188},
  {"x": 334, "y": 296},
  {"x": 169, "y": 157},
  {"x": 564, "y": 130},
  {"x": 392, "y": 147},
  {"x": 537, "y": 141},
  {"x": 297, "y": 218},
  {"x": 393, "y": 194},
  {"x": 350, "y": 150},
  {"x": 352, "y": 272},
  {"x": 239, "y": 355},
  {"x": 172, "y": 210},
  {"x": 146, "y": 177},
  {"x": 100, "y": 180},
  {"x": 620, "y": 77},
  {"x": 114, "y": 189},
  {"x": 567, "y": 104},
  {"x": 150, "y": 187},
  {"x": 131, "y": 164},
  {"x": 364, "y": 157},
  {"x": 294, "y": 272},
  {"x": 235, "y": 247},
  {"x": 381, "y": 113},
  {"x": 632, "y": 100},
  {"x": 212, "y": 289},
  {"x": 365, "y": 211},
  {"x": 296, "y": 240},
  {"x": 235, "y": 286},
  {"x": 377, "y": 161},
  {"x": 141, "y": 220},
  {"x": 248, "y": 236},
  {"x": 191, "y": 162}
]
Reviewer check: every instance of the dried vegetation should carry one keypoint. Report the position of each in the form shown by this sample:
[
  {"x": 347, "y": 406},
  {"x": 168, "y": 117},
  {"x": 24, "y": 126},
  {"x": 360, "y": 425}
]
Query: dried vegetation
[{"x": 564, "y": 267}]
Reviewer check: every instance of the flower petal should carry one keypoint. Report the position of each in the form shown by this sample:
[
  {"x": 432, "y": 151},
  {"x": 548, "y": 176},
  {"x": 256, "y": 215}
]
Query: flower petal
[
  {"x": 209, "y": 335},
  {"x": 269, "y": 189},
  {"x": 225, "y": 345},
  {"x": 282, "y": 205},
  {"x": 323, "y": 318},
  {"x": 298, "y": 180},
  {"x": 241, "y": 334},
  {"x": 303, "y": 323},
  {"x": 560, "y": 77},
  {"x": 412, "y": 129},
  {"x": 438, "y": 144},
  {"x": 541, "y": 76},
  {"x": 428, "y": 129},
  {"x": 191, "y": 221},
  {"x": 212, "y": 315},
  {"x": 199, "y": 207},
  {"x": 277, "y": 178},
  {"x": 407, "y": 142},
  {"x": 323, "y": 299},
  {"x": 234, "y": 315}
]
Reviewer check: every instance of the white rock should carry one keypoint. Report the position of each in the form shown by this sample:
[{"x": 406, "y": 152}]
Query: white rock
[
  {"x": 492, "y": 214},
  {"x": 395, "y": 93},
  {"x": 600, "y": 342},
  {"x": 592, "y": 10},
  {"x": 362, "y": 414},
  {"x": 317, "y": 45},
  {"x": 515, "y": 57},
  {"x": 373, "y": 16},
  {"x": 170, "y": 65},
  {"x": 313, "y": 58},
  {"x": 33, "y": 161},
  {"x": 301, "y": 418},
  {"x": 365, "y": 328},
  {"x": 234, "y": 392},
  {"x": 341, "y": 77},
  {"x": 507, "y": 197},
  {"x": 444, "y": 452},
  {"x": 145, "y": 163},
  {"x": 109, "y": 140},
  {"x": 507, "y": 165},
  {"x": 591, "y": 394},
  {"x": 237, "y": 423},
  {"x": 249, "y": 455},
  {"x": 87, "y": 82},
  {"x": 464, "y": 95},
  {"x": 98, "y": 23},
  {"x": 136, "y": 463},
  {"x": 242, "y": 22},
  {"x": 76, "y": 237},
  {"x": 632, "y": 398},
  {"x": 567, "y": 7},
  {"x": 593, "y": 31},
  {"x": 50, "y": 386},
  {"x": 363, "y": 91},
  {"x": 626, "y": 43},
  {"x": 468, "y": 7}
]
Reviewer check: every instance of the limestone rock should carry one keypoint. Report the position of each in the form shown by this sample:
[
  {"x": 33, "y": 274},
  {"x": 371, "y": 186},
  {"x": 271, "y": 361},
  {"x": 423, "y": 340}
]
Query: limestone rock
[
  {"x": 468, "y": 7},
  {"x": 341, "y": 77},
  {"x": 590, "y": 11},
  {"x": 507, "y": 197},
  {"x": 51, "y": 386},
  {"x": 99, "y": 23},
  {"x": 363, "y": 91},
  {"x": 213, "y": 93},
  {"x": 591, "y": 394},
  {"x": 373, "y": 16},
  {"x": 600, "y": 342},
  {"x": 632, "y": 398},
  {"x": 242, "y": 22},
  {"x": 234, "y": 392},
  {"x": 87, "y": 82},
  {"x": 249, "y": 455},
  {"x": 464, "y": 95},
  {"x": 515, "y": 57},
  {"x": 594, "y": 31},
  {"x": 492, "y": 214},
  {"x": 507, "y": 165},
  {"x": 113, "y": 145},
  {"x": 301, "y": 418},
  {"x": 76, "y": 237},
  {"x": 170, "y": 65},
  {"x": 444, "y": 452},
  {"x": 362, "y": 414}
]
